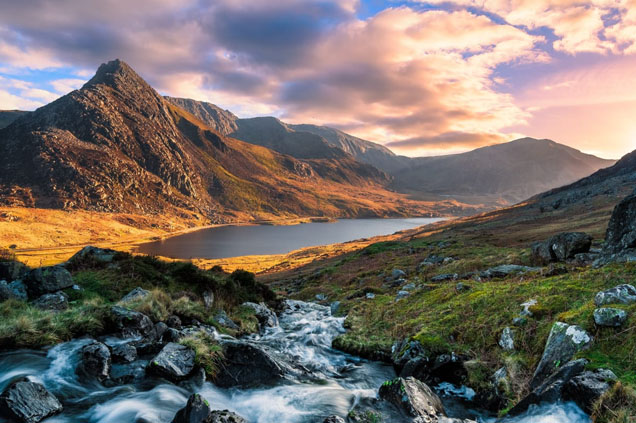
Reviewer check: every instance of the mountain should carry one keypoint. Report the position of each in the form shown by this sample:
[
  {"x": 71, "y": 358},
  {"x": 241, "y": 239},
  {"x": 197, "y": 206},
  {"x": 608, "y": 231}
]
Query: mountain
[
  {"x": 505, "y": 173},
  {"x": 116, "y": 145},
  {"x": 8, "y": 116}
]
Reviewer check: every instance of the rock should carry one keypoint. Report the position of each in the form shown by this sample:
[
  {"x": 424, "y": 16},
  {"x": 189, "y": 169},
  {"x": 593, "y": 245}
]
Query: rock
[
  {"x": 172, "y": 335},
  {"x": 197, "y": 410},
  {"x": 136, "y": 294},
  {"x": 507, "y": 339},
  {"x": 398, "y": 274},
  {"x": 461, "y": 287},
  {"x": 588, "y": 387},
  {"x": 321, "y": 297},
  {"x": 561, "y": 247},
  {"x": 414, "y": 398},
  {"x": 563, "y": 342},
  {"x": 124, "y": 374},
  {"x": 551, "y": 389},
  {"x": 519, "y": 321},
  {"x": 12, "y": 270},
  {"x": 19, "y": 289},
  {"x": 28, "y": 402},
  {"x": 124, "y": 353},
  {"x": 208, "y": 299},
  {"x": 432, "y": 260},
  {"x": 132, "y": 323},
  {"x": 611, "y": 317},
  {"x": 369, "y": 295},
  {"x": 334, "y": 307},
  {"x": 445, "y": 277},
  {"x": 44, "y": 280},
  {"x": 408, "y": 287},
  {"x": 173, "y": 322},
  {"x": 621, "y": 229},
  {"x": 506, "y": 270},
  {"x": 266, "y": 317},
  {"x": 6, "y": 293},
  {"x": 92, "y": 254},
  {"x": 224, "y": 320},
  {"x": 57, "y": 301},
  {"x": 160, "y": 329},
  {"x": 246, "y": 365},
  {"x": 95, "y": 361},
  {"x": 621, "y": 294},
  {"x": 225, "y": 416},
  {"x": 333, "y": 419},
  {"x": 553, "y": 270},
  {"x": 402, "y": 294},
  {"x": 442, "y": 368},
  {"x": 403, "y": 351},
  {"x": 175, "y": 362},
  {"x": 526, "y": 307}
]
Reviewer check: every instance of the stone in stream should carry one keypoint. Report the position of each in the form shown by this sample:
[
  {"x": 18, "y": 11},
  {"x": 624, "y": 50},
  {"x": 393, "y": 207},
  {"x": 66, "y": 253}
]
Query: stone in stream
[
  {"x": 334, "y": 419},
  {"x": 266, "y": 317},
  {"x": 57, "y": 301},
  {"x": 414, "y": 398},
  {"x": 611, "y": 317},
  {"x": 247, "y": 365},
  {"x": 124, "y": 353},
  {"x": 132, "y": 323},
  {"x": 175, "y": 362},
  {"x": 588, "y": 387},
  {"x": 197, "y": 410},
  {"x": 334, "y": 307},
  {"x": 563, "y": 342},
  {"x": 95, "y": 361},
  {"x": 44, "y": 280},
  {"x": 621, "y": 294},
  {"x": 28, "y": 402}
]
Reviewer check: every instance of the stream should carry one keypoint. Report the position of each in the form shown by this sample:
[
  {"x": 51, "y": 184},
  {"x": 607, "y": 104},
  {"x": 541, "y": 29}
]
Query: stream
[{"x": 304, "y": 336}]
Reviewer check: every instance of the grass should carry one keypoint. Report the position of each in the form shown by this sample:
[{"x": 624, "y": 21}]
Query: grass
[
  {"x": 618, "y": 405},
  {"x": 208, "y": 353}
]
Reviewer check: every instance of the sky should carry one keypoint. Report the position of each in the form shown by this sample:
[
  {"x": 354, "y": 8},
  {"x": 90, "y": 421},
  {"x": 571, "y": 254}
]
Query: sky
[{"x": 421, "y": 77}]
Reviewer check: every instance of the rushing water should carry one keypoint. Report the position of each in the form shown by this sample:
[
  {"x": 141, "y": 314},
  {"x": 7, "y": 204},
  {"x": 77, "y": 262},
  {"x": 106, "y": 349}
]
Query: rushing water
[
  {"x": 235, "y": 241},
  {"x": 304, "y": 337}
]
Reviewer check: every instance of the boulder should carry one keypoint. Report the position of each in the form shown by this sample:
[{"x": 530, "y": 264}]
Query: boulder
[
  {"x": 175, "y": 362},
  {"x": 95, "y": 361},
  {"x": 224, "y": 320},
  {"x": 398, "y": 274},
  {"x": 507, "y": 339},
  {"x": 19, "y": 289},
  {"x": 334, "y": 307},
  {"x": 131, "y": 323},
  {"x": 136, "y": 294},
  {"x": 403, "y": 351},
  {"x": 402, "y": 294},
  {"x": 12, "y": 270},
  {"x": 621, "y": 229},
  {"x": 445, "y": 277},
  {"x": 414, "y": 398},
  {"x": 561, "y": 247},
  {"x": 124, "y": 353},
  {"x": 551, "y": 390},
  {"x": 266, "y": 317},
  {"x": 334, "y": 419},
  {"x": 160, "y": 330},
  {"x": 225, "y": 416},
  {"x": 44, "y": 280},
  {"x": 208, "y": 299},
  {"x": 128, "y": 373},
  {"x": 172, "y": 335},
  {"x": 197, "y": 410},
  {"x": 563, "y": 342},
  {"x": 506, "y": 270},
  {"x": 93, "y": 255},
  {"x": 588, "y": 387},
  {"x": 56, "y": 302},
  {"x": 6, "y": 293},
  {"x": 621, "y": 294},
  {"x": 173, "y": 322},
  {"x": 246, "y": 365},
  {"x": 442, "y": 368},
  {"x": 28, "y": 402},
  {"x": 611, "y": 317}
]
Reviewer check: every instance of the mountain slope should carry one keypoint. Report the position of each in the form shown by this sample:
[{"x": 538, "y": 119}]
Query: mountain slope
[
  {"x": 507, "y": 173},
  {"x": 8, "y": 116},
  {"x": 116, "y": 145}
]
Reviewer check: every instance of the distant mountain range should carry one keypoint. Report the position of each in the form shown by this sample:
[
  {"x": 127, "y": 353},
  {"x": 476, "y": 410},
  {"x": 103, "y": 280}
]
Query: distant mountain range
[{"x": 116, "y": 145}]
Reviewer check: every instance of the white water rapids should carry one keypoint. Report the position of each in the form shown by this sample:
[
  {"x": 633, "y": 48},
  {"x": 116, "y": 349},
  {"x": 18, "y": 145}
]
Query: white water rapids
[{"x": 303, "y": 337}]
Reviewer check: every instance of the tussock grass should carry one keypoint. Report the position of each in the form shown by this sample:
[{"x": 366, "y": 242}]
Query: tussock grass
[
  {"x": 209, "y": 354},
  {"x": 618, "y": 405}
]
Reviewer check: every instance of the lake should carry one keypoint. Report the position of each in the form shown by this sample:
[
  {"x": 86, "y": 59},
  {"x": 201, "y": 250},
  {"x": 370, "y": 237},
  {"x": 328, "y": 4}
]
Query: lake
[{"x": 235, "y": 241}]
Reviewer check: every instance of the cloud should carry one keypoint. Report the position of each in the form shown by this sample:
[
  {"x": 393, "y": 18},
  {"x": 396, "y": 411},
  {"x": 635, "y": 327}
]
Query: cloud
[{"x": 18, "y": 94}]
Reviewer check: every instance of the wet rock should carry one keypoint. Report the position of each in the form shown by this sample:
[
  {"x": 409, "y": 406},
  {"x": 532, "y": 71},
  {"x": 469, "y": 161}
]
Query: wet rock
[
  {"x": 197, "y": 410},
  {"x": 507, "y": 339},
  {"x": 445, "y": 277},
  {"x": 208, "y": 299},
  {"x": 56, "y": 302},
  {"x": 398, "y": 274},
  {"x": 124, "y": 353},
  {"x": 611, "y": 317},
  {"x": 621, "y": 229},
  {"x": 173, "y": 322},
  {"x": 506, "y": 270},
  {"x": 95, "y": 361},
  {"x": 334, "y": 419},
  {"x": 563, "y": 342},
  {"x": 28, "y": 402},
  {"x": 224, "y": 320},
  {"x": 175, "y": 362},
  {"x": 92, "y": 254},
  {"x": 588, "y": 387},
  {"x": 12, "y": 270},
  {"x": 621, "y": 294},
  {"x": 124, "y": 374},
  {"x": 44, "y": 280},
  {"x": 131, "y": 323},
  {"x": 414, "y": 398},
  {"x": 551, "y": 389},
  {"x": 136, "y": 294},
  {"x": 442, "y": 368},
  {"x": 561, "y": 247},
  {"x": 402, "y": 294},
  {"x": 334, "y": 307},
  {"x": 266, "y": 317},
  {"x": 247, "y": 365},
  {"x": 225, "y": 416},
  {"x": 403, "y": 351}
]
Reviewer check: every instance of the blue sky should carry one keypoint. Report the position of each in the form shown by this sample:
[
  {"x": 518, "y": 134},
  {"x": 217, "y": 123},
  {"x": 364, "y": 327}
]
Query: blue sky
[{"x": 424, "y": 78}]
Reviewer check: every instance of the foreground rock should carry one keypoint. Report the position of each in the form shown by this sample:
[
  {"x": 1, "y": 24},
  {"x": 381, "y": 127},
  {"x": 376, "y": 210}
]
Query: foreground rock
[
  {"x": 588, "y": 387},
  {"x": 334, "y": 419},
  {"x": 246, "y": 365},
  {"x": 561, "y": 247},
  {"x": 197, "y": 410},
  {"x": 95, "y": 361},
  {"x": 563, "y": 342},
  {"x": 175, "y": 362},
  {"x": 131, "y": 323},
  {"x": 45, "y": 280},
  {"x": 621, "y": 294},
  {"x": 414, "y": 398},
  {"x": 610, "y": 317},
  {"x": 28, "y": 402},
  {"x": 266, "y": 317},
  {"x": 621, "y": 229},
  {"x": 124, "y": 353}
]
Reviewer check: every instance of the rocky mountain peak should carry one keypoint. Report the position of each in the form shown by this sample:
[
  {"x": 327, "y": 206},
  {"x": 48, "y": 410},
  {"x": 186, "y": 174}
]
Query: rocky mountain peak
[{"x": 117, "y": 74}]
